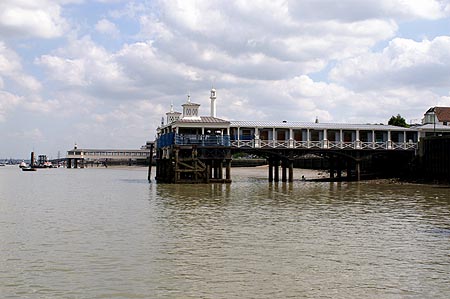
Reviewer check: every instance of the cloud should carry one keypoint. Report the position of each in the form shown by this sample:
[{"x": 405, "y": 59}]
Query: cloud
[
  {"x": 34, "y": 134},
  {"x": 355, "y": 10},
  {"x": 31, "y": 19},
  {"x": 107, "y": 27},
  {"x": 403, "y": 62},
  {"x": 8, "y": 102},
  {"x": 15, "y": 85},
  {"x": 87, "y": 67},
  {"x": 342, "y": 61},
  {"x": 264, "y": 40},
  {"x": 11, "y": 68}
]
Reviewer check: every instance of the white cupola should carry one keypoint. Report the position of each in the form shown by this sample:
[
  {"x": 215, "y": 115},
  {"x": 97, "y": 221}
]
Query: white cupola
[
  {"x": 213, "y": 102},
  {"x": 172, "y": 115},
  {"x": 190, "y": 110}
]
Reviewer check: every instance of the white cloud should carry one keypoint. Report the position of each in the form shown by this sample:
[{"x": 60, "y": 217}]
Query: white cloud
[
  {"x": 84, "y": 64},
  {"x": 34, "y": 134},
  {"x": 355, "y": 10},
  {"x": 403, "y": 62},
  {"x": 70, "y": 72},
  {"x": 15, "y": 85},
  {"x": 270, "y": 60},
  {"x": 11, "y": 68},
  {"x": 107, "y": 27},
  {"x": 31, "y": 19},
  {"x": 263, "y": 40},
  {"x": 8, "y": 102}
]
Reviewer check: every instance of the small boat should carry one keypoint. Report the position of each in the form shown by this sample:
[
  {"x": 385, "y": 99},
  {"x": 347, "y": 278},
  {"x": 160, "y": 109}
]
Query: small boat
[
  {"x": 2, "y": 164},
  {"x": 22, "y": 164},
  {"x": 28, "y": 169}
]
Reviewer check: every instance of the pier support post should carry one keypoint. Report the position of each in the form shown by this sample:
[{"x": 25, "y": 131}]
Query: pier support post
[
  {"x": 208, "y": 172},
  {"x": 284, "y": 171},
  {"x": 176, "y": 177},
  {"x": 291, "y": 171},
  {"x": 150, "y": 162},
  {"x": 216, "y": 169},
  {"x": 220, "y": 170},
  {"x": 209, "y": 168},
  {"x": 276, "y": 170},
  {"x": 339, "y": 169},
  {"x": 75, "y": 163},
  {"x": 69, "y": 163},
  {"x": 228, "y": 170},
  {"x": 358, "y": 171},
  {"x": 331, "y": 167},
  {"x": 349, "y": 171},
  {"x": 270, "y": 170}
]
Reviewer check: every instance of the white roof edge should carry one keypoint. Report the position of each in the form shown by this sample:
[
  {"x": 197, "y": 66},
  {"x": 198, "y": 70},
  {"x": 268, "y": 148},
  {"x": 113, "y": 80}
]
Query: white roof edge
[{"x": 307, "y": 125}]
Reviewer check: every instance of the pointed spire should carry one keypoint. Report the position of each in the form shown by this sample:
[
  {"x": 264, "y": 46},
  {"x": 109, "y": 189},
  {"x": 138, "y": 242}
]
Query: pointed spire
[{"x": 189, "y": 96}]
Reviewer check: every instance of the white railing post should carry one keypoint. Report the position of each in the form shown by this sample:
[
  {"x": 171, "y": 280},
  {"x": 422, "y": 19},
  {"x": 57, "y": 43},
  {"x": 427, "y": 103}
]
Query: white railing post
[
  {"x": 389, "y": 141},
  {"x": 257, "y": 142},
  {"x": 325, "y": 139},
  {"x": 357, "y": 141},
  {"x": 307, "y": 138},
  {"x": 291, "y": 143}
]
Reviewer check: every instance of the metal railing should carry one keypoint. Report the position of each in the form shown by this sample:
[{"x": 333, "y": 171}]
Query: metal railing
[
  {"x": 324, "y": 144},
  {"x": 224, "y": 140},
  {"x": 192, "y": 139}
]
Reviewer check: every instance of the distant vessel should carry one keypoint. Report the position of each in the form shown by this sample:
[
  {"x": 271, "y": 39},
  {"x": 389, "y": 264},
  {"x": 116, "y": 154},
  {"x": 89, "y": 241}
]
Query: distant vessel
[
  {"x": 2, "y": 164},
  {"x": 22, "y": 164},
  {"x": 28, "y": 168}
]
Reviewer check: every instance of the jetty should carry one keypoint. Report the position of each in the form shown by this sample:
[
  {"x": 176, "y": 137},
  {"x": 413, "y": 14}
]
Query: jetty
[{"x": 197, "y": 149}]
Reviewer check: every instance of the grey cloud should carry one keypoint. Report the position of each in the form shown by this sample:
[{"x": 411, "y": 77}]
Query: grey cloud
[{"x": 424, "y": 64}]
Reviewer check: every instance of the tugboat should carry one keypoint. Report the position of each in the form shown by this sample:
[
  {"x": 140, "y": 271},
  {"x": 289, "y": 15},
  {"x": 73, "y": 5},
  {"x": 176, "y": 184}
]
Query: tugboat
[{"x": 29, "y": 167}]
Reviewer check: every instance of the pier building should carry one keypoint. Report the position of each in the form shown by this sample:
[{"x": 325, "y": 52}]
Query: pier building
[
  {"x": 192, "y": 148},
  {"x": 80, "y": 158}
]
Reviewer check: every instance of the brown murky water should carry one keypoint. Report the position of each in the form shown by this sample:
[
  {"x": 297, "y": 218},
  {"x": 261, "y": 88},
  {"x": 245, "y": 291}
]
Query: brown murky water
[{"x": 108, "y": 233}]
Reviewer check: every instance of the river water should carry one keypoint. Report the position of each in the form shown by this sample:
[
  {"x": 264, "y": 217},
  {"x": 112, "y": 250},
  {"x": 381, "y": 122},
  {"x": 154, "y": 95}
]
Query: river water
[{"x": 108, "y": 233}]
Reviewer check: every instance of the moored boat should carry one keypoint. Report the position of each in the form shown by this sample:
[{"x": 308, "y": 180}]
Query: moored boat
[{"x": 28, "y": 168}]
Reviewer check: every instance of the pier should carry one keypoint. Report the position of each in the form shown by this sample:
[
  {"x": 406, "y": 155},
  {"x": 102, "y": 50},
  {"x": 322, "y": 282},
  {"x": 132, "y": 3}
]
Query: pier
[
  {"x": 195, "y": 149},
  {"x": 81, "y": 158}
]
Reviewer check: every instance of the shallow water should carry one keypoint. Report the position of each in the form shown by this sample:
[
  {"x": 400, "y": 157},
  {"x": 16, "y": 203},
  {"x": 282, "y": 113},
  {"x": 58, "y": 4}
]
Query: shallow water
[{"x": 108, "y": 233}]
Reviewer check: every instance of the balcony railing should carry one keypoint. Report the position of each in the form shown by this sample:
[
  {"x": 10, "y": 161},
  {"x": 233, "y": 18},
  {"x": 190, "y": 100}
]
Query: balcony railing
[
  {"x": 191, "y": 139},
  {"x": 224, "y": 140},
  {"x": 324, "y": 144}
]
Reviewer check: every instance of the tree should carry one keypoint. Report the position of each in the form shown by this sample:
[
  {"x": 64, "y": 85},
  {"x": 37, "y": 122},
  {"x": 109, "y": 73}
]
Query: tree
[{"x": 398, "y": 121}]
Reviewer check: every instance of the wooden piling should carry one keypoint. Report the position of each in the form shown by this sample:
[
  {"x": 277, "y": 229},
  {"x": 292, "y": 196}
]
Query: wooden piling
[{"x": 150, "y": 162}]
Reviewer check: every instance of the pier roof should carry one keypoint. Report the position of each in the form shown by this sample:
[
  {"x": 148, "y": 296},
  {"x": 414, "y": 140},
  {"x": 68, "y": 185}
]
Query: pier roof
[
  {"x": 108, "y": 150},
  {"x": 430, "y": 127},
  {"x": 203, "y": 119},
  {"x": 313, "y": 125}
]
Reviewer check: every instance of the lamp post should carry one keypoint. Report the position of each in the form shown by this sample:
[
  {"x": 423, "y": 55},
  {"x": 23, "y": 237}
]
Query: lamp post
[{"x": 434, "y": 121}]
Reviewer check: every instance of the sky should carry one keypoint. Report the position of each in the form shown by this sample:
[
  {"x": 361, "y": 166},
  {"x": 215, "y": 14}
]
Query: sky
[{"x": 102, "y": 73}]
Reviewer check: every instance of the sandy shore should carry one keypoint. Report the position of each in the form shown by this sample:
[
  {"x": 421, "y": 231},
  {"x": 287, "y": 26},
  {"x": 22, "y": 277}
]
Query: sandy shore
[
  {"x": 263, "y": 172},
  {"x": 255, "y": 172}
]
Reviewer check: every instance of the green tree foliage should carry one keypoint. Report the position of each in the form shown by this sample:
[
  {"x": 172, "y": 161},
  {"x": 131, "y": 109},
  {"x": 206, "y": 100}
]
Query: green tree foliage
[{"x": 398, "y": 121}]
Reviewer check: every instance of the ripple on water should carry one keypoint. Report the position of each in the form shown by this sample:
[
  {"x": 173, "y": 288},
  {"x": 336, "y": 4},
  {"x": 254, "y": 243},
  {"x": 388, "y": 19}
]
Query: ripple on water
[{"x": 104, "y": 233}]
